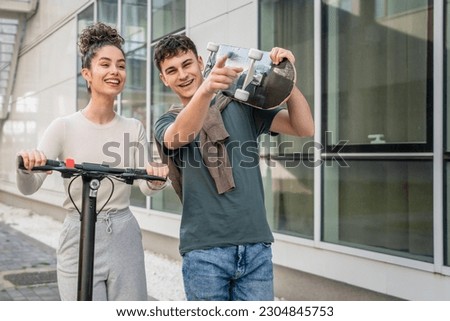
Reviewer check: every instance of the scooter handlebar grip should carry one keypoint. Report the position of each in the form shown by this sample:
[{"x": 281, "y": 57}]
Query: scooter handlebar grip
[
  {"x": 54, "y": 163},
  {"x": 20, "y": 164},
  {"x": 49, "y": 162}
]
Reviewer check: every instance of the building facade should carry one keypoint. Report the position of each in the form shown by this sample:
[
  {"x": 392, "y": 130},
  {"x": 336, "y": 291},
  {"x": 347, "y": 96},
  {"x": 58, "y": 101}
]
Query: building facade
[{"x": 360, "y": 211}]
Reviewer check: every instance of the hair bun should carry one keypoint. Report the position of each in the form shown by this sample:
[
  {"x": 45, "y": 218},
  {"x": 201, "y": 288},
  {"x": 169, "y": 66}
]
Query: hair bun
[{"x": 99, "y": 33}]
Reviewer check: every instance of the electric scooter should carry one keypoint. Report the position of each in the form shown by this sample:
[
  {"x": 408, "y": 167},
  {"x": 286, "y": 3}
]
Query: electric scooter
[{"x": 91, "y": 174}]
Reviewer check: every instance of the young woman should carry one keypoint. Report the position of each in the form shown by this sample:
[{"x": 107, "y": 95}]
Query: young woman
[{"x": 119, "y": 272}]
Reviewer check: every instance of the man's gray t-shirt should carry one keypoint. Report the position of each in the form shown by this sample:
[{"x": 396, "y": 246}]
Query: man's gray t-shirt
[{"x": 236, "y": 217}]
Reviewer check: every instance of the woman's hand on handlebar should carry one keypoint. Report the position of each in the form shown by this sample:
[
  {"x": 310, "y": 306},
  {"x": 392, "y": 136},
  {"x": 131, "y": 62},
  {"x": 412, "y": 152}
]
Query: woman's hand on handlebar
[
  {"x": 32, "y": 158},
  {"x": 157, "y": 169}
]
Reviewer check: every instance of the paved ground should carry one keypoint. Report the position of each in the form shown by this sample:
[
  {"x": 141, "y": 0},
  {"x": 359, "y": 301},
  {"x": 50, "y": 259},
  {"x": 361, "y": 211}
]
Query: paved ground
[
  {"x": 28, "y": 243},
  {"x": 27, "y": 268}
]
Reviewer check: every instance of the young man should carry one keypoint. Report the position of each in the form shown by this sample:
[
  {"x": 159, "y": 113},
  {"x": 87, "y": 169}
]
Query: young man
[{"x": 225, "y": 239}]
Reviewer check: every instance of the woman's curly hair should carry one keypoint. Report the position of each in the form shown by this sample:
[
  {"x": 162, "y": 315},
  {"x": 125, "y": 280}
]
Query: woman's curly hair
[{"x": 93, "y": 38}]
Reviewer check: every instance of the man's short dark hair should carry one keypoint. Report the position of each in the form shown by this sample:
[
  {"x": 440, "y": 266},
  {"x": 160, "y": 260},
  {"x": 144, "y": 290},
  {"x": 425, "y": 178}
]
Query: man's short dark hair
[{"x": 171, "y": 46}]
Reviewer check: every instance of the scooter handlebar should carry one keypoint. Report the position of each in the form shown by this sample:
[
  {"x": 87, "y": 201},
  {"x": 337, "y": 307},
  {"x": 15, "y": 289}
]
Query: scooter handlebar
[
  {"x": 49, "y": 165},
  {"x": 126, "y": 173}
]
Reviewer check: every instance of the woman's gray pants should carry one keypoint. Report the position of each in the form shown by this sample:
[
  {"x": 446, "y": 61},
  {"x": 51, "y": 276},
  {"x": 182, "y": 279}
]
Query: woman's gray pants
[{"x": 119, "y": 268}]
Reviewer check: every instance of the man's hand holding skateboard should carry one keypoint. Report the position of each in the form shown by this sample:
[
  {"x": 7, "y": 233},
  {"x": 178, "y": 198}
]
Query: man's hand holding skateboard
[{"x": 279, "y": 54}]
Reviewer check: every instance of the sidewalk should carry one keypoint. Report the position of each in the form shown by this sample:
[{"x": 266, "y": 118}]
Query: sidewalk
[
  {"x": 27, "y": 268},
  {"x": 28, "y": 261}
]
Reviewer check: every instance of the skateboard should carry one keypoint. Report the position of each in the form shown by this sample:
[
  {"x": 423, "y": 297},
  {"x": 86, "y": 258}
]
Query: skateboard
[{"x": 261, "y": 84}]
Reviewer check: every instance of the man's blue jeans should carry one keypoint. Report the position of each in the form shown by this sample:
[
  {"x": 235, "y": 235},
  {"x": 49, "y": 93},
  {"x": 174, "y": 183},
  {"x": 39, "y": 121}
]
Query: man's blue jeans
[{"x": 243, "y": 272}]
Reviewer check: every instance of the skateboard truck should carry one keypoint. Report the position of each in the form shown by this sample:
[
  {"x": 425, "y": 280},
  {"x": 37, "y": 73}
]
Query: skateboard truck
[
  {"x": 253, "y": 54},
  {"x": 213, "y": 48}
]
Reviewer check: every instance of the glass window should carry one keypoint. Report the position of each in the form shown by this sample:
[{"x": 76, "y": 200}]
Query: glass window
[
  {"x": 447, "y": 74},
  {"x": 288, "y": 188},
  {"x": 378, "y": 74},
  {"x": 84, "y": 19},
  {"x": 447, "y": 130},
  {"x": 134, "y": 96},
  {"x": 447, "y": 216},
  {"x": 134, "y": 31},
  {"x": 168, "y": 16},
  {"x": 384, "y": 206},
  {"x": 107, "y": 11},
  {"x": 287, "y": 178},
  {"x": 161, "y": 100},
  {"x": 378, "y": 89}
]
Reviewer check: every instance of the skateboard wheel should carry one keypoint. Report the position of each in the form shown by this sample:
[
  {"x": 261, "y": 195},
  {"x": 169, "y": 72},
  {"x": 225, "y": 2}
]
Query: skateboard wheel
[
  {"x": 241, "y": 95},
  {"x": 212, "y": 47},
  {"x": 255, "y": 54}
]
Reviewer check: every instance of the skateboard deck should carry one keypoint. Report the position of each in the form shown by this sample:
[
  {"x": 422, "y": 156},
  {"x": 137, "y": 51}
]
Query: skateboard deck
[{"x": 261, "y": 84}]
